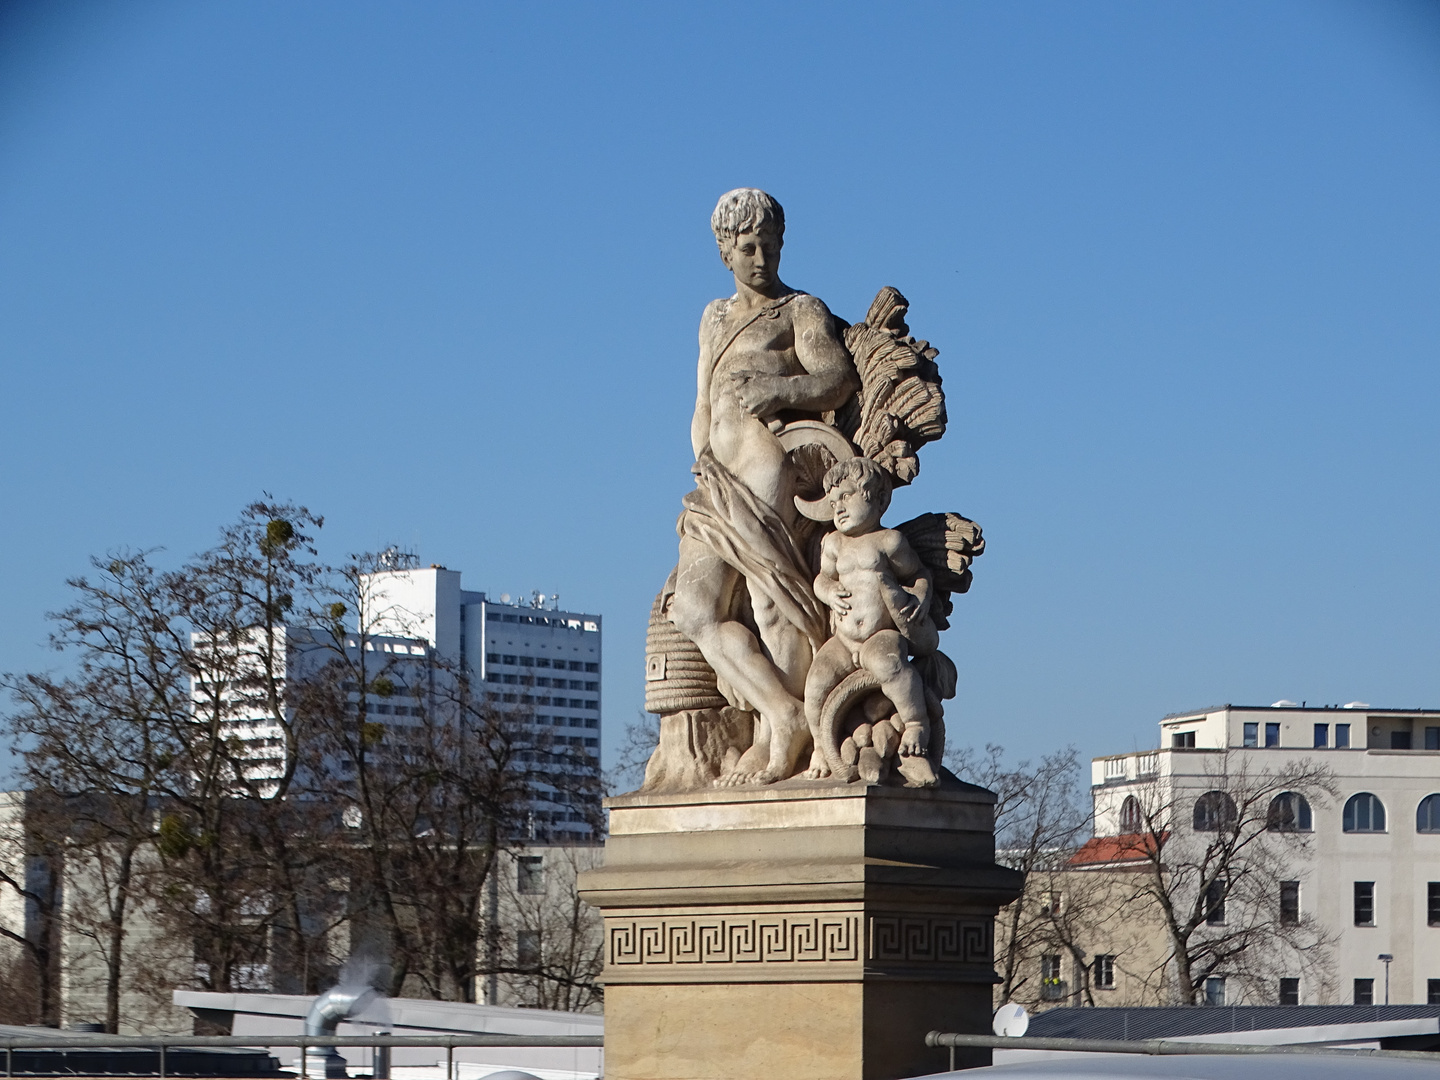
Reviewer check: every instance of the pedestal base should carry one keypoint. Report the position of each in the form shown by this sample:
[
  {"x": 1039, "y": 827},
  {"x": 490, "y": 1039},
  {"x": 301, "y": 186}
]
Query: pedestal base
[{"x": 797, "y": 931}]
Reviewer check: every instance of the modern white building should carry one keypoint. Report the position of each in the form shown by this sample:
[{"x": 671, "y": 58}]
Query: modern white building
[
  {"x": 1370, "y": 873},
  {"x": 538, "y": 662}
]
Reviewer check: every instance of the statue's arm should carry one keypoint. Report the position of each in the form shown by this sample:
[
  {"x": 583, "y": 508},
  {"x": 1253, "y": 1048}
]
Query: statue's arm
[
  {"x": 828, "y": 589},
  {"x": 829, "y": 377},
  {"x": 700, "y": 423},
  {"x": 911, "y": 575}
]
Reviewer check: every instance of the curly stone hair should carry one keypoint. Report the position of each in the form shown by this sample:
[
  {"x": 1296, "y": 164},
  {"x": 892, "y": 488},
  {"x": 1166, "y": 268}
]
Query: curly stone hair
[{"x": 746, "y": 209}]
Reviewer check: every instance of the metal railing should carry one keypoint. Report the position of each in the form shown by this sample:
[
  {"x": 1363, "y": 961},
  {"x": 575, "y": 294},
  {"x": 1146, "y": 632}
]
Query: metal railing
[
  {"x": 1156, "y": 1046},
  {"x": 164, "y": 1043}
]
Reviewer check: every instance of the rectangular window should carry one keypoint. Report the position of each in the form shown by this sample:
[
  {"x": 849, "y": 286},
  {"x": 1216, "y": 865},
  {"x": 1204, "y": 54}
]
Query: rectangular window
[
  {"x": 594, "y": 669},
  {"x": 592, "y": 704},
  {"x": 530, "y": 874},
  {"x": 1289, "y": 991},
  {"x": 1364, "y": 904},
  {"x": 509, "y": 659},
  {"x": 492, "y": 657},
  {"x": 1252, "y": 735},
  {"x": 576, "y": 665},
  {"x": 592, "y": 721},
  {"x": 1432, "y": 738},
  {"x": 1052, "y": 987},
  {"x": 1432, "y": 902},
  {"x": 1104, "y": 972},
  {"x": 1342, "y": 736},
  {"x": 527, "y": 949},
  {"x": 1432, "y": 991},
  {"x": 1364, "y": 991},
  {"x": 592, "y": 686},
  {"x": 542, "y": 661},
  {"x": 527, "y": 661},
  {"x": 1322, "y": 735},
  {"x": 1399, "y": 740},
  {"x": 1215, "y": 990},
  {"x": 1215, "y": 904},
  {"x": 1183, "y": 740},
  {"x": 1272, "y": 734},
  {"x": 1289, "y": 903}
]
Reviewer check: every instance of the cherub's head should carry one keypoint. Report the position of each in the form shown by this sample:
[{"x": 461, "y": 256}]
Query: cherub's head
[
  {"x": 859, "y": 494},
  {"x": 749, "y": 228}
]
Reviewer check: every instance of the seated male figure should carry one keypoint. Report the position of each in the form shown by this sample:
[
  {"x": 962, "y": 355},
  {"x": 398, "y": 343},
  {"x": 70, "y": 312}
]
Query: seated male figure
[{"x": 743, "y": 585}]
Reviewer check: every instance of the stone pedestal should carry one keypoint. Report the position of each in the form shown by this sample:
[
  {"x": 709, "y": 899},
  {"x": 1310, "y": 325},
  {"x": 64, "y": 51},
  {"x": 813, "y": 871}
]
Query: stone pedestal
[{"x": 796, "y": 931}]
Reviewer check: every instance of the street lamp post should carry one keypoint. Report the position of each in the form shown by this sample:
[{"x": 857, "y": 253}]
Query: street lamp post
[{"x": 1385, "y": 958}]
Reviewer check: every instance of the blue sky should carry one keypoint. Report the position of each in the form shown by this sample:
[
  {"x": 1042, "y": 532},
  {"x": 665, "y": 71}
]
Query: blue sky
[{"x": 435, "y": 271}]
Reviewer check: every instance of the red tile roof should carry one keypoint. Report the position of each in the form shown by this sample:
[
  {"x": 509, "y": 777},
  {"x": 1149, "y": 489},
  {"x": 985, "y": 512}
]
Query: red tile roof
[{"x": 1129, "y": 848}]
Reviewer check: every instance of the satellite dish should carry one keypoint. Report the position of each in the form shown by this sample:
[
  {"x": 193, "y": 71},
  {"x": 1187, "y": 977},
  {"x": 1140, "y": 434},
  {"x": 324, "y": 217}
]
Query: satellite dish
[
  {"x": 504, "y": 597},
  {"x": 1011, "y": 1020}
]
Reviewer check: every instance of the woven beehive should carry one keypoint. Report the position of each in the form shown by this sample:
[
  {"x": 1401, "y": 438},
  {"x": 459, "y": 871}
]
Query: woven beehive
[{"x": 677, "y": 678}]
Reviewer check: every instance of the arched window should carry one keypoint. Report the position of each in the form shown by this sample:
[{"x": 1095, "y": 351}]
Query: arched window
[
  {"x": 1427, "y": 814},
  {"x": 1213, "y": 811},
  {"x": 1364, "y": 813},
  {"x": 1131, "y": 819},
  {"x": 1289, "y": 812}
]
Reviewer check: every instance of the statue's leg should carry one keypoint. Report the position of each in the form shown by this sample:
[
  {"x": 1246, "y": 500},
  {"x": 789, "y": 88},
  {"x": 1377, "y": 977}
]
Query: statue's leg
[
  {"x": 704, "y": 595},
  {"x": 832, "y": 663},
  {"x": 883, "y": 655},
  {"x": 789, "y": 653}
]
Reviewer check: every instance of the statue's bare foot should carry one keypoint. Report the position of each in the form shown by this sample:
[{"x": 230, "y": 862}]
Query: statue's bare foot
[
  {"x": 914, "y": 740},
  {"x": 818, "y": 769},
  {"x": 748, "y": 770}
]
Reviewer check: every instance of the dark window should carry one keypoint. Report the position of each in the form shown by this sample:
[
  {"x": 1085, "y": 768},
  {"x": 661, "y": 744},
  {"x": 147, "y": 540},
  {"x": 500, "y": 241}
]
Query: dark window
[
  {"x": 510, "y": 698},
  {"x": 1432, "y": 991},
  {"x": 1322, "y": 735},
  {"x": 493, "y": 676},
  {"x": 1427, "y": 814},
  {"x": 1213, "y": 810},
  {"x": 592, "y": 704},
  {"x": 542, "y": 661},
  {"x": 1363, "y": 813},
  {"x": 1131, "y": 819},
  {"x": 1272, "y": 734},
  {"x": 1342, "y": 736},
  {"x": 1365, "y": 903},
  {"x": 1432, "y": 902},
  {"x": 1183, "y": 740},
  {"x": 575, "y": 721},
  {"x": 594, "y": 669},
  {"x": 1252, "y": 735},
  {"x": 509, "y": 659},
  {"x": 592, "y": 686},
  {"x": 576, "y": 684},
  {"x": 1289, "y": 991},
  {"x": 1289, "y": 812},
  {"x": 1104, "y": 968},
  {"x": 592, "y": 721},
  {"x": 511, "y": 679},
  {"x": 527, "y": 942},
  {"x": 576, "y": 665},
  {"x": 592, "y": 742},
  {"x": 508, "y": 618},
  {"x": 1432, "y": 738},
  {"x": 1215, "y": 990},
  {"x": 542, "y": 681},
  {"x": 1364, "y": 991},
  {"x": 1215, "y": 904},
  {"x": 1289, "y": 903},
  {"x": 492, "y": 657},
  {"x": 527, "y": 661},
  {"x": 1399, "y": 740},
  {"x": 530, "y": 874}
]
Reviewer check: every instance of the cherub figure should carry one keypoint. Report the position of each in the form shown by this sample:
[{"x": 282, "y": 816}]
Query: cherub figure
[{"x": 878, "y": 592}]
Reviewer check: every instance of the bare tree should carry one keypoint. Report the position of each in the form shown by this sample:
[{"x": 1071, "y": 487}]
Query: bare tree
[
  {"x": 1041, "y": 816},
  {"x": 552, "y": 942},
  {"x": 1214, "y": 859}
]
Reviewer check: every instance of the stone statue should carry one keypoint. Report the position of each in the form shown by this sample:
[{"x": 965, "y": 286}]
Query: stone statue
[{"x": 785, "y": 391}]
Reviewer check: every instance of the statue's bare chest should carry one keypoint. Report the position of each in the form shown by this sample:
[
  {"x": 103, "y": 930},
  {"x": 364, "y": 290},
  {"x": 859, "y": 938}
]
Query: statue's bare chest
[{"x": 766, "y": 344}]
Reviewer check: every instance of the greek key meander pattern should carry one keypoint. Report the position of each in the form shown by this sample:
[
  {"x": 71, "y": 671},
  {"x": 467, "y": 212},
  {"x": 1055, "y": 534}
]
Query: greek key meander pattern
[{"x": 831, "y": 937}]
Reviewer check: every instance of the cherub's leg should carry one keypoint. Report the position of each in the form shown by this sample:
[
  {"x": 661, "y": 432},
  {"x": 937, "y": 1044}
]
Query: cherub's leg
[
  {"x": 883, "y": 655},
  {"x": 832, "y": 663}
]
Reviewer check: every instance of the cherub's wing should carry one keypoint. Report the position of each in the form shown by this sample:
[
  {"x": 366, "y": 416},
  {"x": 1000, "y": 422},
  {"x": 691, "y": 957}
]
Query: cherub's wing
[
  {"x": 900, "y": 405},
  {"x": 946, "y": 544}
]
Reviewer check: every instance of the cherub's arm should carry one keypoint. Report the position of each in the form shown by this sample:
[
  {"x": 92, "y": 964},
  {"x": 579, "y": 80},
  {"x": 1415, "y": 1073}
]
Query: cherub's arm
[
  {"x": 700, "y": 423},
  {"x": 828, "y": 589},
  {"x": 830, "y": 375},
  {"x": 910, "y": 585}
]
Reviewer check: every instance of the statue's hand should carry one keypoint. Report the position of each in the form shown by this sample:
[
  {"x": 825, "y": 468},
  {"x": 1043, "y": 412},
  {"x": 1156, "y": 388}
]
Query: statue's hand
[{"x": 757, "y": 391}]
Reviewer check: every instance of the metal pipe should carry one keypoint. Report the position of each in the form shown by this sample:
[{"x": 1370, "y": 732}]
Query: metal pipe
[
  {"x": 336, "y": 1004},
  {"x": 1157, "y": 1046}
]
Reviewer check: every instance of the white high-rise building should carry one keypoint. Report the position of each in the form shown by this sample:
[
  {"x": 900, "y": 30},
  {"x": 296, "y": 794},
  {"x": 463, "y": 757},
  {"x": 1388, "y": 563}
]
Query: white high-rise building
[{"x": 538, "y": 662}]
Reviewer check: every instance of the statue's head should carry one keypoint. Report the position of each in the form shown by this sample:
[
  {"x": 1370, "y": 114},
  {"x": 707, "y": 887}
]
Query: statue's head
[
  {"x": 858, "y": 491},
  {"x": 749, "y": 228}
]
